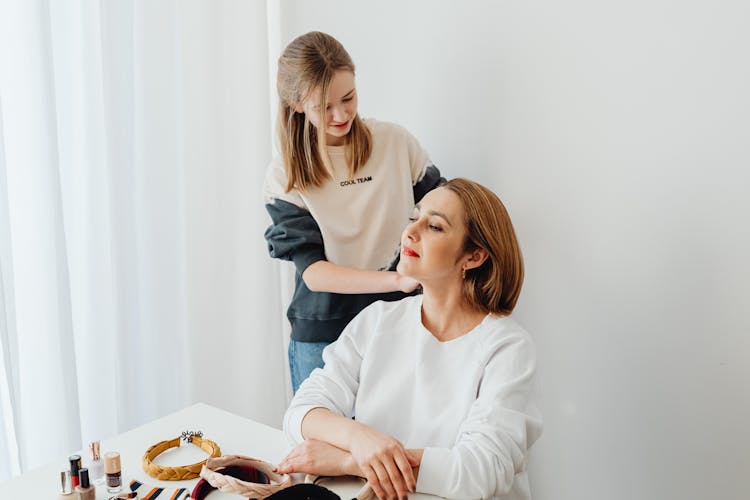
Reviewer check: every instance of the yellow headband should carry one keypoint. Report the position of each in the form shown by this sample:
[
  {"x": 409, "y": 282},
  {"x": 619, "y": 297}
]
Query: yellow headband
[{"x": 180, "y": 472}]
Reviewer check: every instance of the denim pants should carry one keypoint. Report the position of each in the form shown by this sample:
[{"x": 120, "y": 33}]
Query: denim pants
[{"x": 304, "y": 357}]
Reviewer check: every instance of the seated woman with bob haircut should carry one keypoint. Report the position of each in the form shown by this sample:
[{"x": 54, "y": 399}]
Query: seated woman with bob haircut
[{"x": 442, "y": 385}]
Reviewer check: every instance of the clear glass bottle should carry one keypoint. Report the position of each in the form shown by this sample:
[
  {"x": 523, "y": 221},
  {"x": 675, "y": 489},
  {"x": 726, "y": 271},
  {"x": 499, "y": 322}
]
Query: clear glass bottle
[
  {"x": 66, "y": 488},
  {"x": 96, "y": 466}
]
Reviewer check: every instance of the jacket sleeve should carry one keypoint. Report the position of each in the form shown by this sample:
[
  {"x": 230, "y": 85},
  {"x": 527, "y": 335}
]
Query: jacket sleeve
[
  {"x": 492, "y": 443},
  {"x": 334, "y": 386},
  {"x": 429, "y": 180},
  {"x": 294, "y": 235}
]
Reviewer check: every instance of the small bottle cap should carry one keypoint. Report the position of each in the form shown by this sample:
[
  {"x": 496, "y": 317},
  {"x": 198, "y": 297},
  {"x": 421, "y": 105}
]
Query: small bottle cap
[
  {"x": 112, "y": 462},
  {"x": 84, "y": 475},
  {"x": 75, "y": 464},
  {"x": 66, "y": 487}
]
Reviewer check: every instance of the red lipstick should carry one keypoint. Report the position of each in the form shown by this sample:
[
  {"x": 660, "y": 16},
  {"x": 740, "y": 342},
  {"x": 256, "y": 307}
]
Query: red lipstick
[{"x": 409, "y": 252}]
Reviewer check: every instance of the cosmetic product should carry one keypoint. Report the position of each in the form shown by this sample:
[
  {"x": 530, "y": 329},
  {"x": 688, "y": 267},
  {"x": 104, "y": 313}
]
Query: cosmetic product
[
  {"x": 131, "y": 494},
  {"x": 66, "y": 489},
  {"x": 75, "y": 465},
  {"x": 85, "y": 490},
  {"x": 113, "y": 471},
  {"x": 96, "y": 467}
]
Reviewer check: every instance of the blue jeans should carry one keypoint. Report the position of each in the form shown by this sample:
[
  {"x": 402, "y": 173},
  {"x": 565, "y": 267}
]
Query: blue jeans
[{"x": 304, "y": 357}]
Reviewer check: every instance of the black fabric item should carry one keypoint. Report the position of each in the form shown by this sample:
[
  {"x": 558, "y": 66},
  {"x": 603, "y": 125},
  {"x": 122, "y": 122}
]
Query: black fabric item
[
  {"x": 304, "y": 492},
  {"x": 427, "y": 183},
  {"x": 294, "y": 235}
]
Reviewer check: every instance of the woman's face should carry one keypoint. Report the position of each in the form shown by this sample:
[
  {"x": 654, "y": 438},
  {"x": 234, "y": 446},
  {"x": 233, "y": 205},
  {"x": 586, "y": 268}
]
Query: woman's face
[
  {"x": 432, "y": 245},
  {"x": 341, "y": 108}
]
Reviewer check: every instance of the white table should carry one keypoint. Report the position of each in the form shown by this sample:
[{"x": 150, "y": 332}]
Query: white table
[{"x": 234, "y": 434}]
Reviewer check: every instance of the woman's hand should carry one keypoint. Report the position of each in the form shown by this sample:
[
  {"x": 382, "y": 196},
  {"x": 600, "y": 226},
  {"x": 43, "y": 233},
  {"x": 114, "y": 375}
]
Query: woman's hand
[
  {"x": 406, "y": 284},
  {"x": 384, "y": 462},
  {"x": 320, "y": 458}
]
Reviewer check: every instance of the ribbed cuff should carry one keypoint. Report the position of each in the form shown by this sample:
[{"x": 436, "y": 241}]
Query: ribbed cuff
[
  {"x": 432, "y": 471},
  {"x": 293, "y": 422}
]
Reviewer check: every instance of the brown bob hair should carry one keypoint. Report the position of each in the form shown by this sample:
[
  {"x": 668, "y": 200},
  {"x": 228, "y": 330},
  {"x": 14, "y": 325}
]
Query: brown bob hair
[
  {"x": 308, "y": 63},
  {"x": 495, "y": 285}
]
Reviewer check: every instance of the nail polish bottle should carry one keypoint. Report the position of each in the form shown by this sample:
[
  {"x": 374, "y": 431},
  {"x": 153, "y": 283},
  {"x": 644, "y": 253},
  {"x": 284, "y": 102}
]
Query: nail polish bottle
[
  {"x": 75, "y": 465},
  {"x": 96, "y": 467},
  {"x": 85, "y": 490},
  {"x": 66, "y": 489},
  {"x": 113, "y": 471}
]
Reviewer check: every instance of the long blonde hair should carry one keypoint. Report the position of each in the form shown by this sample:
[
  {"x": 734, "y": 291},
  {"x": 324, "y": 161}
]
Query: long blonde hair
[
  {"x": 308, "y": 63},
  {"x": 495, "y": 285}
]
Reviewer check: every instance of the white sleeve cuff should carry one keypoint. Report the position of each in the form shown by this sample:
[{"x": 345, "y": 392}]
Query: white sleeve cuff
[
  {"x": 432, "y": 470},
  {"x": 293, "y": 422}
]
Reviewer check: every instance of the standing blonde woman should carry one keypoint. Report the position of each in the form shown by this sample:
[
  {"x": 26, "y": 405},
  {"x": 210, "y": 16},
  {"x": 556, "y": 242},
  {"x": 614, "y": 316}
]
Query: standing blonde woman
[
  {"x": 443, "y": 381},
  {"x": 338, "y": 196}
]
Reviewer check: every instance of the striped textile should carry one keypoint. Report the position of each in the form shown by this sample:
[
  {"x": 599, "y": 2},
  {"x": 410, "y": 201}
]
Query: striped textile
[{"x": 148, "y": 492}]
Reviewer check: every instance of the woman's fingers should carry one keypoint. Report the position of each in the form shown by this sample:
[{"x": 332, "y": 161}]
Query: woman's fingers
[
  {"x": 385, "y": 463},
  {"x": 384, "y": 479},
  {"x": 296, "y": 459},
  {"x": 317, "y": 457},
  {"x": 372, "y": 478},
  {"x": 396, "y": 478},
  {"x": 405, "y": 467},
  {"x": 282, "y": 468},
  {"x": 287, "y": 466}
]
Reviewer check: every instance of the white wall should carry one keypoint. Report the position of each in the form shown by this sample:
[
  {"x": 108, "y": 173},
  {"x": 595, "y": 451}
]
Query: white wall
[
  {"x": 618, "y": 134},
  {"x": 231, "y": 313}
]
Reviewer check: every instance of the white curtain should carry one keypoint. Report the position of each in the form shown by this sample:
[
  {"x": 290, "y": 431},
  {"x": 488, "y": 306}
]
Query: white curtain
[{"x": 134, "y": 278}]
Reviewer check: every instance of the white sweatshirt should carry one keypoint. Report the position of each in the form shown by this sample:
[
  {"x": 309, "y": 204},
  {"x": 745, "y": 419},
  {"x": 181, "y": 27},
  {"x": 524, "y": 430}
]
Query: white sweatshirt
[{"x": 471, "y": 403}]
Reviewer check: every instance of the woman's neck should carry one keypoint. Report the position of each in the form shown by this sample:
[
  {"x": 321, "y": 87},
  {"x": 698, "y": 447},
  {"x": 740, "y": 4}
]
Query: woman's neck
[
  {"x": 332, "y": 140},
  {"x": 446, "y": 313}
]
